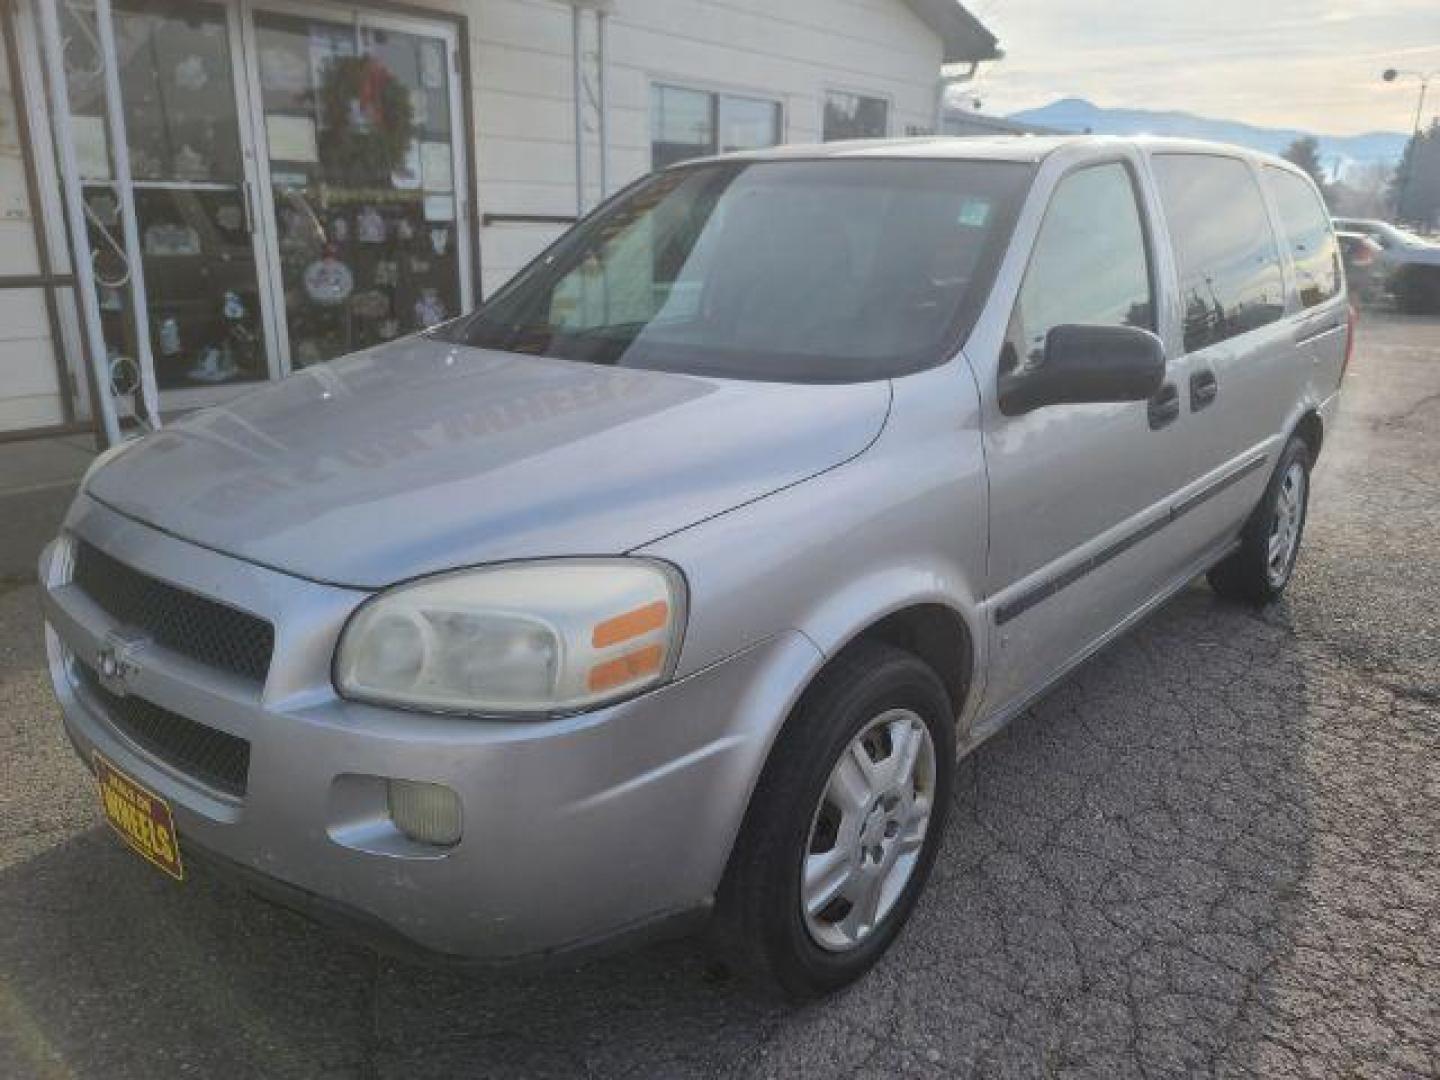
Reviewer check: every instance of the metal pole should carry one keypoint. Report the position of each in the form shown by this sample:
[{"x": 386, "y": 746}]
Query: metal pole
[
  {"x": 102, "y": 400},
  {"x": 1414, "y": 148},
  {"x": 124, "y": 187},
  {"x": 603, "y": 104},
  {"x": 579, "y": 113}
]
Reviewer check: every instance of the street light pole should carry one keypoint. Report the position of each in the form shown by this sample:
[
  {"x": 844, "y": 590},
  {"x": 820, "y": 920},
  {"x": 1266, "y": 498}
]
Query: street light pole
[{"x": 1424, "y": 77}]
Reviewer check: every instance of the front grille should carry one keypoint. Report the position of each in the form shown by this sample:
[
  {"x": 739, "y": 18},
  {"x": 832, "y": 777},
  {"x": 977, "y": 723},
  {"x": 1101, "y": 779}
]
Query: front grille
[
  {"x": 205, "y": 630},
  {"x": 213, "y": 757}
]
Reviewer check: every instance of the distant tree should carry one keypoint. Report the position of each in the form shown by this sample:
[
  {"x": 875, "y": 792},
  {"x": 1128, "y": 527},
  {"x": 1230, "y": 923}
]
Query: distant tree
[
  {"x": 1363, "y": 191},
  {"x": 1305, "y": 152},
  {"x": 1416, "y": 187}
]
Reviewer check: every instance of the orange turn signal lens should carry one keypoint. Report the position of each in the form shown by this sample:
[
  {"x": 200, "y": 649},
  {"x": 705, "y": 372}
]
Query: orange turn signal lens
[
  {"x": 626, "y": 668},
  {"x": 631, "y": 624}
]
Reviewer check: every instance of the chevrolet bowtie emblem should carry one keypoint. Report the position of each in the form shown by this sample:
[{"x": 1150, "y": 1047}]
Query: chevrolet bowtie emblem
[{"x": 117, "y": 661}]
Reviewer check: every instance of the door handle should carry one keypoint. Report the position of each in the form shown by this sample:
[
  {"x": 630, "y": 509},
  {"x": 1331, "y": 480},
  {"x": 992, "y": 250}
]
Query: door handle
[
  {"x": 1203, "y": 389},
  {"x": 1164, "y": 407}
]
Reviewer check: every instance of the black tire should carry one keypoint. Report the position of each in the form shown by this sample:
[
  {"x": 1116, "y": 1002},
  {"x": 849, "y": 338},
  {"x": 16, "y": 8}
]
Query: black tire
[
  {"x": 1247, "y": 576},
  {"x": 759, "y": 925},
  {"x": 1417, "y": 290}
]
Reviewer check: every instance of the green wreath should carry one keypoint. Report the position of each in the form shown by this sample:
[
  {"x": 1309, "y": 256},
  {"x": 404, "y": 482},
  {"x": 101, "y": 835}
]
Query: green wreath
[{"x": 368, "y": 120}]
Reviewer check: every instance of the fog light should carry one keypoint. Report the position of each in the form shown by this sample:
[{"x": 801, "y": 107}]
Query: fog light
[{"x": 426, "y": 813}]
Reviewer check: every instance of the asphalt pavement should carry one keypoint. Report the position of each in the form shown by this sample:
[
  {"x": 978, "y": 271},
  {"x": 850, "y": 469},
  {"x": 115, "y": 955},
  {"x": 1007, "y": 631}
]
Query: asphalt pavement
[{"x": 1215, "y": 850}]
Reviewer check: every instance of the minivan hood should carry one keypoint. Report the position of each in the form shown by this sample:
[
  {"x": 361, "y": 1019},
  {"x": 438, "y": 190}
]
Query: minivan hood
[{"x": 422, "y": 456}]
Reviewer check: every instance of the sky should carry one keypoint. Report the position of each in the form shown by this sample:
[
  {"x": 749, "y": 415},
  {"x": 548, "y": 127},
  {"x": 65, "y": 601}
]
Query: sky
[{"x": 1278, "y": 63}]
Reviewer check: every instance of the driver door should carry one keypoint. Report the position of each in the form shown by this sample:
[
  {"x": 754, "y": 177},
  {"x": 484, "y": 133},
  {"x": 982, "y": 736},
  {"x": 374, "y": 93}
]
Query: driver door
[{"x": 1078, "y": 491}]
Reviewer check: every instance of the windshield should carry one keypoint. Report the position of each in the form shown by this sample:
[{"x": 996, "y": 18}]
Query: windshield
[{"x": 819, "y": 270}]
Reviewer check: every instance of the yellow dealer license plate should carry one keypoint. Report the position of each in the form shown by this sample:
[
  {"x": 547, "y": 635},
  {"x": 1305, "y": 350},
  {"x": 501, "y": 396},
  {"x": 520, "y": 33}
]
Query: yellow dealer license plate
[{"x": 141, "y": 817}]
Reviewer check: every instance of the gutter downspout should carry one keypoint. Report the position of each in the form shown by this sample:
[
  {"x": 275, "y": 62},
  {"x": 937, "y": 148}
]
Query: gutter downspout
[
  {"x": 949, "y": 78},
  {"x": 578, "y": 79},
  {"x": 602, "y": 105}
]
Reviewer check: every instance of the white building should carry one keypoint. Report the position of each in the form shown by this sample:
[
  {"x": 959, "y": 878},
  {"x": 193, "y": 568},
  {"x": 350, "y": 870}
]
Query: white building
[{"x": 268, "y": 183}]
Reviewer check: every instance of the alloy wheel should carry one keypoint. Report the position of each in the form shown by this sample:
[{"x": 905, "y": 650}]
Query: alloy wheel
[
  {"x": 1285, "y": 529},
  {"x": 868, "y": 830}
]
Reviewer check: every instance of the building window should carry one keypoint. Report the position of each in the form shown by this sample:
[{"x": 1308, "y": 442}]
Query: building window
[
  {"x": 855, "y": 116},
  {"x": 687, "y": 123}
]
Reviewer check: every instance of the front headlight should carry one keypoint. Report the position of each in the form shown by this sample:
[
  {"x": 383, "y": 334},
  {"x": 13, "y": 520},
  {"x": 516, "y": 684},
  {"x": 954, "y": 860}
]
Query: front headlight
[{"x": 536, "y": 638}]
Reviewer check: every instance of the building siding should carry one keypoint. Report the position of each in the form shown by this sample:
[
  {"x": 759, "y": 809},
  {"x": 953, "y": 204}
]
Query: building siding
[
  {"x": 521, "y": 144},
  {"x": 524, "y": 103},
  {"x": 30, "y": 392}
]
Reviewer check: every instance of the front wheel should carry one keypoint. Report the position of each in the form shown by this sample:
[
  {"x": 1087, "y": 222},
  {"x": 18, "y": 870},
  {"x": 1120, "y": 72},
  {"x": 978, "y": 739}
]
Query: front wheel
[
  {"x": 1270, "y": 543},
  {"x": 844, "y": 825}
]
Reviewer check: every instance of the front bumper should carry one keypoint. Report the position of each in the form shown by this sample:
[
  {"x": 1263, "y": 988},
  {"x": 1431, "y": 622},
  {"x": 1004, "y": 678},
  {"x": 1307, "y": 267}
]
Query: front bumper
[{"x": 574, "y": 829}]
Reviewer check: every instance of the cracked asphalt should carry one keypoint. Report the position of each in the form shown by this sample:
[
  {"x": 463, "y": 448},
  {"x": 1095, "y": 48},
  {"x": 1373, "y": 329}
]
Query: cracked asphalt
[{"x": 1214, "y": 850}]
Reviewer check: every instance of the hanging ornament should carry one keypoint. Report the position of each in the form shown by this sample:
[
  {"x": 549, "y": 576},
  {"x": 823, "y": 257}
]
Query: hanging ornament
[
  {"x": 387, "y": 273},
  {"x": 191, "y": 74},
  {"x": 328, "y": 281},
  {"x": 215, "y": 365},
  {"x": 370, "y": 226},
  {"x": 169, "y": 336},
  {"x": 232, "y": 307},
  {"x": 429, "y": 310}
]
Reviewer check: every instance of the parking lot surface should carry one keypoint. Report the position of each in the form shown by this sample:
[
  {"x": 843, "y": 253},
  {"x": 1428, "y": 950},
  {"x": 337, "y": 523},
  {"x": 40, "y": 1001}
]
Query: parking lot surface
[{"x": 1214, "y": 850}]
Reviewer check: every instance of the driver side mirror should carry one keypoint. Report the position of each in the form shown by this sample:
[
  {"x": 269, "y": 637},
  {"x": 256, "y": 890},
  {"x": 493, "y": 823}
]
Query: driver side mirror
[{"x": 1088, "y": 364}]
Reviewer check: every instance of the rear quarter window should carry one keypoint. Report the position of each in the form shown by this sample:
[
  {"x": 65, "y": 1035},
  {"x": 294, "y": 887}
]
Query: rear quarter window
[
  {"x": 1230, "y": 276},
  {"x": 1306, "y": 226}
]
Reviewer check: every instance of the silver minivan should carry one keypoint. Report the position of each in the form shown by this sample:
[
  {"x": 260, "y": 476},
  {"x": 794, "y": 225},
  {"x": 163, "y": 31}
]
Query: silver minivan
[{"x": 669, "y": 587}]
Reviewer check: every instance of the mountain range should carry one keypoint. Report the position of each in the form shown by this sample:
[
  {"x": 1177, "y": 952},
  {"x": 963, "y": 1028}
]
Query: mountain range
[{"x": 1338, "y": 152}]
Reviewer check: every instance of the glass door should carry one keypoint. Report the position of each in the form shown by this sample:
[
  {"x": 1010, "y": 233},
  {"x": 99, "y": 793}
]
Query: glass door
[
  {"x": 185, "y": 124},
  {"x": 363, "y": 168}
]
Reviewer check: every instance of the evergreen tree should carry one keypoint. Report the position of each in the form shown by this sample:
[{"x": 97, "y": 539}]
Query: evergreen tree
[
  {"x": 1305, "y": 152},
  {"x": 1416, "y": 187}
]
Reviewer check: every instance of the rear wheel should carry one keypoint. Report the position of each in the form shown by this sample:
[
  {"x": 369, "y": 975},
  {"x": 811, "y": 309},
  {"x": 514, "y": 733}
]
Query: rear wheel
[
  {"x": 844, "y": 825},
  {"x": 1270, "y": 543},
  {"x": 1417, "y": 290}
]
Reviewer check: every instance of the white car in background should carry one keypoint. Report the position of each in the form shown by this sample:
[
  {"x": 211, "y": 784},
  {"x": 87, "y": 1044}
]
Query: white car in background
[{"x": 1412, "y": 262}]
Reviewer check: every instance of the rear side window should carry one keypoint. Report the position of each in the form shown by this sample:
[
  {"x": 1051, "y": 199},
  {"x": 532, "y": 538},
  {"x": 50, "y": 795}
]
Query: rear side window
[
  {"x": 1089, "y": 265},
  {"x": 1306, "y": 225},
  {"x": 1230, "y": 279}
]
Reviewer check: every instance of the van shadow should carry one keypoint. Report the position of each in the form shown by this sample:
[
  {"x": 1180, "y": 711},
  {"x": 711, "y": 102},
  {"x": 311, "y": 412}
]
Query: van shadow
[{"x": 1120, "y": 870}]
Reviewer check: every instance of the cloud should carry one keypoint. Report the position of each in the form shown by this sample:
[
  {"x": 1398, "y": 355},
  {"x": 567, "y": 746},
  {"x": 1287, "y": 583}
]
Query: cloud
[{"x": 1274, "y": 63}]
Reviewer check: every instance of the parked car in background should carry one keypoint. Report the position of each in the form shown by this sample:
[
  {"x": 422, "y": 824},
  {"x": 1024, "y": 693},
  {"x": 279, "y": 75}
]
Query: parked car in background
[
  {"x": 682, "y": 573},
  {"x": 1411, "y": 263},
  {"x": 1365, "y": 272}
]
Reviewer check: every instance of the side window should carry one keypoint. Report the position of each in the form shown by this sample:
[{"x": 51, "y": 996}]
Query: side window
[
  {"x": 1230, "y": 279},
  {"x": 1307, "y": 230},
  {"x": 1089, "y": 265}
]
